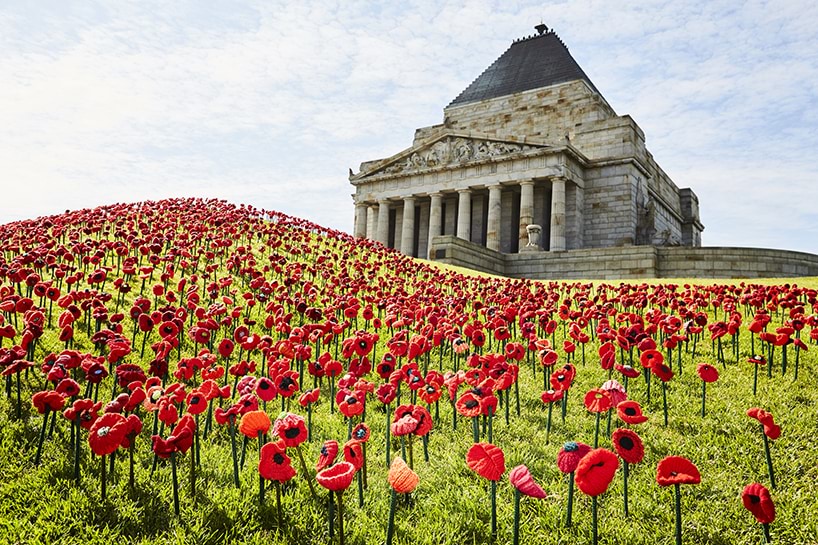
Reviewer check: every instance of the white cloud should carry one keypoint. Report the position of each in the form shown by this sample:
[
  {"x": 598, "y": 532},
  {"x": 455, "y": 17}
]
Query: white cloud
[{"x": 269, "y": 103}]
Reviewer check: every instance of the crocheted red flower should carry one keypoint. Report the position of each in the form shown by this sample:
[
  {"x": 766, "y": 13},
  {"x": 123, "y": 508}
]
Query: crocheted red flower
[
  {"x": 771, "y": 429},
  {"x": 291, "y": 429},
  {"x": 630, "y": 412},
  {"x": 107, "y": 433},
  {"x": 327, "y": 454},
  {"x": 757, "y": 500},
  {"x": 487, "y": 460},
  {"x": 596, "y": 470},
  {"x": 521, "y": 479},
  {"x": 274, "y": 464},
  {"x": 707, "y": 372},
  {"x": 677, "y": 470},
  {"x": 336, "y": 478},
  {"x": 628, "y": 445},
  {"x": 353, "y": 453},
  {"x": 597, "y": 400}
]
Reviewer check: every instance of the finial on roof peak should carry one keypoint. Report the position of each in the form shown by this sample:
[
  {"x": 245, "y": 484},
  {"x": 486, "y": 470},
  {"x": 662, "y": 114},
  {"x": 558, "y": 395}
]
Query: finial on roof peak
[{"x": 541, "y": 28}]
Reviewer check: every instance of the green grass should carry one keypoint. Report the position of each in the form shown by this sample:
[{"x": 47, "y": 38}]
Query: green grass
[{"x": 451, "y": 504}]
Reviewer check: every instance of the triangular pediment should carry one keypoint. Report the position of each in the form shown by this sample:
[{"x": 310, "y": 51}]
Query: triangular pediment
[{"x": 445, "y": 151}]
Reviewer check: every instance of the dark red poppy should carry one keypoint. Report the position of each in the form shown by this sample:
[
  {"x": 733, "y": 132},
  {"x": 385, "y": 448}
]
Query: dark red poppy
[
  {"x": 287, "y": 383},
  {"x": 265, "y": 389},
  {"x": 596, "y": 470},
  {"x": 50, "y": 399},
  {"x": 291, "y": 428},
  {"x": 487, "y": 460},
  {"x": 707, "y": 372},
  {"x": 650, "y": 358},
  {"x": 386, "y": 393},
  {"x": 628, "y": 445},
  {"x": 627, "y": 371},
  {"x": 677, "y": 470},
  {"x": 756, "y": 498},
  {"x": 309, "y": 397},
  {"x": 85, "y": 410},
  {"x": 662, "y": 371},
  {"x": 551, "y": 396},
  {"x": 336, "y": 478},
  {"x": 361, "y": 432},
  {"x": 196, "y": 402},
  {"x": 274, "y": 464},
  {"x": 106, "y": 433},
  {"x": 570, "y": 454},
  {"x": 327, "y": 454}
]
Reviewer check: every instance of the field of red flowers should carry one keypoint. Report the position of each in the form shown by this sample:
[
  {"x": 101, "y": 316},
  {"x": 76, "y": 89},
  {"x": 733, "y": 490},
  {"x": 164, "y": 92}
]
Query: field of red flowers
[{"x": 198, "y": 372}]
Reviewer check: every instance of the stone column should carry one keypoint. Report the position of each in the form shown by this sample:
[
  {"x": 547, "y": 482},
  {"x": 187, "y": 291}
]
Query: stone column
[
  {"x": 383, "y": 222},
  {"x": 371, "y": 222},
  {"x": 493, "y": 227},
  {"x": 557, "y": 214},
  {"x": 360, "y": 220},
  {"x": 407, "y": 233},
  {"x": 526, "y": 210},
  {"x": 435, "y": 219},
  {"x": 464, "y": 214}
]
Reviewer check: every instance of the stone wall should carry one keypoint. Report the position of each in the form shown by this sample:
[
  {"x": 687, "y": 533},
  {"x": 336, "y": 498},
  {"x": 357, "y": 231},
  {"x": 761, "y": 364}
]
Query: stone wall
[{"x": 628, "y": 262}]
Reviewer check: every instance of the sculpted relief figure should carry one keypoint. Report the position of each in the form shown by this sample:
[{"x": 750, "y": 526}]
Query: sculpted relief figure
[{"x": 459, "y": 150}]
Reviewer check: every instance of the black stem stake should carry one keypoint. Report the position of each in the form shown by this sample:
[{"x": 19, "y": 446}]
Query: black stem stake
[
  {"x": 678, "y": 494},
  {"x": 516, "y": 540},
  {"x": 570, "y": 507}
]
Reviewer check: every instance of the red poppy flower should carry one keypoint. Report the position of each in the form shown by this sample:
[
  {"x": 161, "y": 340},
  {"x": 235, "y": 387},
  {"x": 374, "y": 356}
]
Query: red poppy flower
[
  {"x": 757, "y": 359},
  {"x": 85, "y": 410},
  {"x": 430, "y": 392},
  {"x": 771, "y": 429},
  {"x": 361, "y": 432},
  {"x": 598, "y": 400},
  {"x": 487, "y": 460},
  {"x": 107, "y": 433},
  {"x": 756, "y": 498},
  {"x": 630, "y": 412},
  {"x": 570, "y": 454},
  {"x": 707, "y": 372},
  {"x": 291, "y": 429},
  {"x": 274, "y": 464},
  {"x": 468, "y": 405},
  {"x": 196, "y": 402},
  {"x": 551, "y": 396},
  {"x": 662, "y": 371},
  {"x": 521, "y": 479},
  {"x": 628, "y": 445},
  {"x": 327, "y": 454},
  {"x": 386, "y": 393},
  {"x": 677, "y": 470},
  {"x": 424, "y": 419},
  {"x": 336, "y": 478},
  {"x": 650, "y": 358},
  {"x": 616, "y": 391},
  {"x": 265, "y": 389},
  {"x": 49, "y": 399},
  {"x": 351, "y": 403},
  {"x": 627, "y": 371},
  {"x": 404, "y": 425},
  {"x": 353, "y": 453},
  {"x": 596, "y": 470},
  {"x": 308, "y": 397},
  {"x": 287, "y": 383}
]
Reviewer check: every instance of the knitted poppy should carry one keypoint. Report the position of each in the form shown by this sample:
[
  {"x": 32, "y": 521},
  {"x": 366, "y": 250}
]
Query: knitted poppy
[
  {"x": 771, "y": 429},
  {"x": 353, "y": 453},
  {"x": 677, "y": 470},
  {"x": 361, "y": 432},
  {"x": 616, "y": 391},
  {"x": 628, "y": 445},
  {"x": 133, "y": 427},
  {"x": 253, "y": 423},
  {"x": 291, "y": 429},
  {"x": 308, "y": 397},
  {"x": 48, "y": 399},
  {"x": 327, "y": 454},
  {"x": 107, "y": 433},
  {"x": 597, "y": 400},
  {"x": 85, "y": 410},
  {"x": 707, "y": 372},
  {"x": 401, "y": 477},
  {"x": 757, "y": 359},
  {"x": 404, "y": 425},
  {"x": 651, "y": 358},
  {"x": 265, "y": 389},
  {"x": 468, "y": 405},
  {"x": 521, "y": 479},
  {"x": 430, "y": 392},
  {"x": 756, "y": 498},
  {"x": 570, "y": 454},
  {"x": 274, "y": 464},
  {"x": 596, "y": 470},
  {"x": 386, "y": 393},
  {"x": 662, "y": 371},
  {"x": 196, "y": 402},
  {"x": 351, "y": 403},
  {"x": 287, "y": 383},
  {"x": 627, "y": 371},
  {"x": 487, "y": 460},
  {"x": 551, "y": 396},
  {"x": 336, "y": 478},
  {"x": 630, "y": 412}
]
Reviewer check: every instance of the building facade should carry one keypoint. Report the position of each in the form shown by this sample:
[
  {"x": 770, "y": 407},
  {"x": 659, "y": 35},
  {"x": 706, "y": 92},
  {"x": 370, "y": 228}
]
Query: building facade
[{"x": 530, "y": 157}]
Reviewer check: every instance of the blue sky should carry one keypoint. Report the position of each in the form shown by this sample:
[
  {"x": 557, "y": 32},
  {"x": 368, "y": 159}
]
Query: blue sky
[{"x": 270, "y": 103}]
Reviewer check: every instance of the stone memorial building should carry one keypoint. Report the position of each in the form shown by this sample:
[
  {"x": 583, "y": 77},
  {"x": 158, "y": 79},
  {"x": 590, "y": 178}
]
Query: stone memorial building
[{"x": 531, "y": 173}]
